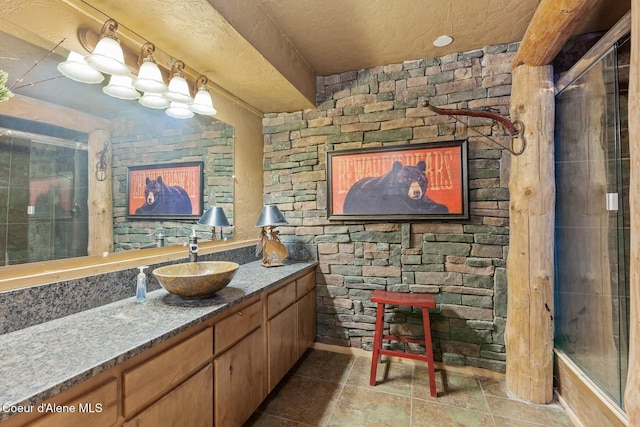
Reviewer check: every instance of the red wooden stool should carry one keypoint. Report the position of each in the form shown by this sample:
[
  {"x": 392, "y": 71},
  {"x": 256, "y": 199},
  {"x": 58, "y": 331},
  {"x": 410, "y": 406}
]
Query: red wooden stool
[{"x": 424, "y": 301}]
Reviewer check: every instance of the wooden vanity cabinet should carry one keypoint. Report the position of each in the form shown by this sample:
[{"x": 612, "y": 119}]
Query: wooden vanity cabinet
[
  {"x": 215, "y": 374},
  {"x": 291, "y": 325},
  {"x": 239, "y": 365},
  {"x": 98, "y": 407},
  {"x": 189, "y": 404},
  {"x": 153, "y": 378}
]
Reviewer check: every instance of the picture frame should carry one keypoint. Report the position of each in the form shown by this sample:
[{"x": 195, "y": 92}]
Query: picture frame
[
  {"x": 165, "y": 191},
  {"x": 399, "y": 183}
]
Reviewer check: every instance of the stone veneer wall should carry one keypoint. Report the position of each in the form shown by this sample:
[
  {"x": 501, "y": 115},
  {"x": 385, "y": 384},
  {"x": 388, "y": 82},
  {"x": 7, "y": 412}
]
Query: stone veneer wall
[{"x": 462, "y": 262}]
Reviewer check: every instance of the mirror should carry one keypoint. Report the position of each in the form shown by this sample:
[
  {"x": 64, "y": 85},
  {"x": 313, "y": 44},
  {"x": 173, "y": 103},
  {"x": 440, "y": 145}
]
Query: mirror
[{"x": 46, "y": 167}]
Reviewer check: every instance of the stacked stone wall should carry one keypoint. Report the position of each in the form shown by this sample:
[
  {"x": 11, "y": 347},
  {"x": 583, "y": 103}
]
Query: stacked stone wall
[{"x": 461, "y": 262}]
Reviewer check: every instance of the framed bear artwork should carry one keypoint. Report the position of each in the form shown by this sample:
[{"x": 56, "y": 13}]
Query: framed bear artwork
[
  {"x": 398, "y": 183},
  {"x": 165, "y": 191}
]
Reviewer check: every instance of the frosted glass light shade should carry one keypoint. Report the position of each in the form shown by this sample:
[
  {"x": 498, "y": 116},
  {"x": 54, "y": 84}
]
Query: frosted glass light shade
[
  {"x": 179, "y": 110},
  {"x": 108, "y": 57},
  {"x": 178, "y": 90},
  {"x": 76, "y": 68},
  {"x": 150, "y": 78},
  {"x": 154, "y": 100},
  {"x": 121, "y": 87},
  {"x": 202, "y": 103}
]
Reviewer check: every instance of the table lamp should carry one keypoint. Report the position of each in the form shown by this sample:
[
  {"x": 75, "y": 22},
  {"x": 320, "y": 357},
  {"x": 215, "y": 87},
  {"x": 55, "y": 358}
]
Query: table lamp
[
  {"x": 272, "y": 250},
  {"x": 214, "y": 217}
]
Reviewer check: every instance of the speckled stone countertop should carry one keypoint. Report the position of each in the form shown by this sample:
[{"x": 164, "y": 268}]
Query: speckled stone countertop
[{"x": 40, "y": 361}]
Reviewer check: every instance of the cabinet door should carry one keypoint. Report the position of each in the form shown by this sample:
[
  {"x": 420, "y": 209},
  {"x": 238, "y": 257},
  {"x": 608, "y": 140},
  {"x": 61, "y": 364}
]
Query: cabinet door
[
  {"x": 283, "y": 347},
  {"x": 306, "y": 322},
  {"x": 239, "y": 381},
  {"x": 98, "y": 407},
  {"x": 189, "y": 404}
]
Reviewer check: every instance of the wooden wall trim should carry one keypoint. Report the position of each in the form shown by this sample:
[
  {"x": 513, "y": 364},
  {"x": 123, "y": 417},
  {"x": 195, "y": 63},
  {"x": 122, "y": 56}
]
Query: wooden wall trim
[
  {"x": 632, "y": 397},
  {"x": 24, "y": 107},
  {"x": 602, "y": 46}
]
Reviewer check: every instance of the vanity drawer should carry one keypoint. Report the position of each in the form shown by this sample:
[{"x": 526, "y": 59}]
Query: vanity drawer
[
  {"x": 280, "y": 299},
  {"x": 305, "y": 284},
  {"x": 233, "y": 328},
  {"x": 154, "y": 377}
]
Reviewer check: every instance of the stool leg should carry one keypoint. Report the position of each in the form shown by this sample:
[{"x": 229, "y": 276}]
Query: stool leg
[
  {"x": 429, "y": 349},
  {"x": 377, "y": 343}
]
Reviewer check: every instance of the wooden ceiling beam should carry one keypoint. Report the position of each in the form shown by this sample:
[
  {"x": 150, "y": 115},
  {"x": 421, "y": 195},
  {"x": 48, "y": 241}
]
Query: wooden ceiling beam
[{"x": 553, "y": 23}]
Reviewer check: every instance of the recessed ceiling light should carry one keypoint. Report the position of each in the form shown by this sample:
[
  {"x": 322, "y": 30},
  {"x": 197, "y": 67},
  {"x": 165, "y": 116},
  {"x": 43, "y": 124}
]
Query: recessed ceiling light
[{"x": 442, "y": 41}]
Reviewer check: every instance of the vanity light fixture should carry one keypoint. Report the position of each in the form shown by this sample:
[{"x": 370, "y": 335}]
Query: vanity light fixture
[
  {"x": 179, "y": 110},
  {"x": 107, "y": 57},
  {"x": 178, "y": 90},
  {"x": 149, "y": 76},
  {"x": 273, "y": 251},
  {"x": 154, "y": 100},
  {"x": 76, "y": 68},
  {"x": 214, "y": 217},
  {"x": 121, "y": 87},
  {"x": 202, "y": 102}
]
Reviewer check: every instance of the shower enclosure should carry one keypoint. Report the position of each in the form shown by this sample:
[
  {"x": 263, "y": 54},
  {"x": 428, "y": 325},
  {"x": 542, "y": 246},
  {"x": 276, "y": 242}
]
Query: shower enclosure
[{"x": 592, "y": 221}]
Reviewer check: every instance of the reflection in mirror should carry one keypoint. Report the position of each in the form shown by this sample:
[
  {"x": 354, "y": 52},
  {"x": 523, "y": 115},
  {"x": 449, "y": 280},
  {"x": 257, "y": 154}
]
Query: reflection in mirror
[
  {"x": 43, "y": 188},
  {"x": 46, "y": 168}
]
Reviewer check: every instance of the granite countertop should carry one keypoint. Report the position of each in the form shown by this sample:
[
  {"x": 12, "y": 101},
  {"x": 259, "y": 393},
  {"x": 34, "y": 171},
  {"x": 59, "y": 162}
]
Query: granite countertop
[{"x": 42, "y": 360}]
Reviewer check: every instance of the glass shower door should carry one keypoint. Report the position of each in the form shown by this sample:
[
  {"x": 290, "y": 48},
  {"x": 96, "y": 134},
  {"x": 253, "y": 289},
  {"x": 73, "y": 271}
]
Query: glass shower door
[{"x": 592, "y": 228}]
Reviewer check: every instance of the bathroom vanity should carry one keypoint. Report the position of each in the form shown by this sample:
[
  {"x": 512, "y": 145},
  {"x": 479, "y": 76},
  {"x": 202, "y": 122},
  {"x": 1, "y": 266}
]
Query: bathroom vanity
[{"x": 163, "y": 362}]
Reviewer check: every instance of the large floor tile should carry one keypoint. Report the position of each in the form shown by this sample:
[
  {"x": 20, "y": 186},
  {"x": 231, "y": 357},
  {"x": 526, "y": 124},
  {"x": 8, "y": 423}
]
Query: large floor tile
[
  {"x": 391, "y": 377},
  {"x": 426, "y": 414},
  {"x": 454, "y": 389},
  {"x": 304, "y": 400},
  {"x": 332, "y": 389},
  {"x": 325, "y": 365},
  {"x": 366, "y": 407},
  {"x": 547, "y": 415}
]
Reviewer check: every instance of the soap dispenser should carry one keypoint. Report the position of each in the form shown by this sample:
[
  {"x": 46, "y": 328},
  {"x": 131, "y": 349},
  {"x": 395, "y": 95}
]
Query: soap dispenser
[
  {"x": 193, "y": 246},
  {"x": 141, "y": 285}
]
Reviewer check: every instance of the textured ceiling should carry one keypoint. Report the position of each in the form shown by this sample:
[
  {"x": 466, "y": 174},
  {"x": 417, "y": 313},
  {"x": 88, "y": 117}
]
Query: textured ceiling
[
  {"x": 337, "y": 35},
  {"x": 268, "y": 52}
]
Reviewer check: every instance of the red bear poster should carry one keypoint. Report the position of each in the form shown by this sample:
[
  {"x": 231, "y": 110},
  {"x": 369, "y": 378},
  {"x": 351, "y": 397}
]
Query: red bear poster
[{"x": 426, "y": 180}]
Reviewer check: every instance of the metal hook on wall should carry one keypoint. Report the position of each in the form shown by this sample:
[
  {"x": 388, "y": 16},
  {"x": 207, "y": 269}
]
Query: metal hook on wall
[
  {"x": 515, "y": 129},
  {"x": 101, "y": 165}
]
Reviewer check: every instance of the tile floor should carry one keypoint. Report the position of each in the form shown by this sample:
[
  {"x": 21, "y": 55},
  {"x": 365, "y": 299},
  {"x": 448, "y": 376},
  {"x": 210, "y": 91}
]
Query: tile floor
[{"x": 332, "y": 389}]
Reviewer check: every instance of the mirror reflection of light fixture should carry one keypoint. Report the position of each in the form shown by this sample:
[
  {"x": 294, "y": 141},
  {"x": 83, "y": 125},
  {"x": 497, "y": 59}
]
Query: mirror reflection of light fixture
[
  {"x": 273, "y": 251},
  {"x": 149, "y": 76},
  {"x": 76, "y": 68},
  {"x": 121, "y": 87},
  {"x": 202, "y": 102},
  {"x": 214, "y": 217},
  {"x": 178, "y": 110},
  {"x": 178, "y": 90},
  {"x": 154, "y": 100},
  {"x": 107, "y": 57}
]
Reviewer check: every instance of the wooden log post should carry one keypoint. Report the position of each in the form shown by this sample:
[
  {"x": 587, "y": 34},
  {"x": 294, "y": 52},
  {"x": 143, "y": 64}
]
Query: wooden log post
[
  {"x": 100, "y": 202},
  {"x": 530, "y": 263},
  {"x": 632, "y": 391}
]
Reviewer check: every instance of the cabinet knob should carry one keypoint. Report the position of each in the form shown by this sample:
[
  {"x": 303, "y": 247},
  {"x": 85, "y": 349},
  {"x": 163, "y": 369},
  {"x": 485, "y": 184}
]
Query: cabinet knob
[{"x": 240, "y": 313}]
